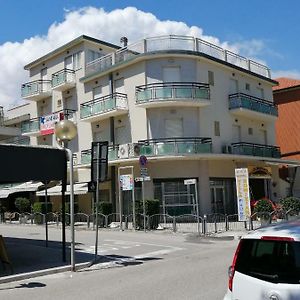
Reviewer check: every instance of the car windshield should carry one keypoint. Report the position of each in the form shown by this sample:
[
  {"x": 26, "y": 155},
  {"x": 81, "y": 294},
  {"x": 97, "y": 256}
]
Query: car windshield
[{"x": 270, "y": 260}]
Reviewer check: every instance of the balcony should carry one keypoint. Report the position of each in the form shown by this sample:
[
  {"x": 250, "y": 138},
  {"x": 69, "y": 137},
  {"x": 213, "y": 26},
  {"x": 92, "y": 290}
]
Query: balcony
[
  {"x": 173, "y": 94},
  {"x": 31, "y": 127},
  {"x": 155, "y": 148},
  {"x": 23, "y": 140},
  {"x": 108, "y": 106},
  {"x": 36, "y": 90},
  {"x": 44, "y": 125},
  {"x": 172, "y": 43},
  {"x": 63, "y": 80},
  {"x": 252, "y": 107},
  {"x": 255, "y": 150}
]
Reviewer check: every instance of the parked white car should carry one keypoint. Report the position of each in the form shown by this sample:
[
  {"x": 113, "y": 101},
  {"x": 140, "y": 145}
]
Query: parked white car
[{"x": 266, "y": 264}]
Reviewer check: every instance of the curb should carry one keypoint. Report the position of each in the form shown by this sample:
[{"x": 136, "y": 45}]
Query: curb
[{"x": 29, "y": 275}]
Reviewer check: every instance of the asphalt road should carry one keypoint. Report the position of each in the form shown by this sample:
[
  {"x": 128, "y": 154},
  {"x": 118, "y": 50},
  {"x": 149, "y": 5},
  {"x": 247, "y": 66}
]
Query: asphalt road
[{"x": 133, "y": 266}]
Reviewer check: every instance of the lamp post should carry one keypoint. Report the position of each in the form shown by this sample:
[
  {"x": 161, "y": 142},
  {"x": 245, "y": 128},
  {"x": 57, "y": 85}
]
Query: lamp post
[{"x": 65, "y": 131}]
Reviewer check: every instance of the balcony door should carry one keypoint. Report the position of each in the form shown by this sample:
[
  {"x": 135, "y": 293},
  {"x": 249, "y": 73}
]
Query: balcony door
[
  {"x": 44, "y": 76},
  {"x": 171, "y": 74},
  {"x": 69, "y": 62},
  {"x": 119, "y": 86},
  {"x": 236, "y": 134},
  {"x": 234, "y": 86},
  {"x": 97, "y": 92},
  {"x": 173, "y": 128}
]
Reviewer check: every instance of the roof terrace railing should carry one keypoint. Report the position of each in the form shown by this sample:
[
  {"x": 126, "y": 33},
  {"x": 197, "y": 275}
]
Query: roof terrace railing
[{"x": 174, "y": 42}]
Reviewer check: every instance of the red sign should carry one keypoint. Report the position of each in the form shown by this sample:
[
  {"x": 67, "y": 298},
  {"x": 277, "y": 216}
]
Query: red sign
[{"x": 47, "y": 123}]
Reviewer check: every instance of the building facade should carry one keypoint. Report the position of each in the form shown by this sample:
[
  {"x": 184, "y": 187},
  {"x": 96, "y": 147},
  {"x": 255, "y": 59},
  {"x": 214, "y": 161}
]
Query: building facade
[{"x": 195, "y": 110}]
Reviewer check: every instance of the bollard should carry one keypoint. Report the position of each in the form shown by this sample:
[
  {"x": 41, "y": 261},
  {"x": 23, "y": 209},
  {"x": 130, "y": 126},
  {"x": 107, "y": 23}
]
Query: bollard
[
  {"x": 204, "y": 224},
  {"x": 106, "y": 221},
  {"x": 216, "y": 229},
  {"x": 226, "y": 223},
  {"x": 174, "y": 224}
]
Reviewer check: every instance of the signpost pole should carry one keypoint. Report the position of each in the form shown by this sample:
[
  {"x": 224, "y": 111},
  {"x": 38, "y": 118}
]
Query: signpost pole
[
  {"x": 133, "y": 201},
  {"x": 144, "y": 204},
  {"x": 120, "y": 201},
  {"x": 197, "y": 206},
  {"x": 97, "y": 200}
]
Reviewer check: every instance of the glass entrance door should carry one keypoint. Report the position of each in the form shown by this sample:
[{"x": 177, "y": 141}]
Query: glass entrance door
[{"x": 218, "y": 199}]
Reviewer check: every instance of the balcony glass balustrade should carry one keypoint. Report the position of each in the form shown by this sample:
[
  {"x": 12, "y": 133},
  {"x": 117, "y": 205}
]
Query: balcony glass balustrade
[
  {"x": 35, "y": 88},
  {"x": 63, "y": 77},
  {"x": 24, "y": 140},
  {"x": 32, "y": 125},
  {"x": 240, "y": 100},
  {"x": 174, "y": 43},
  {"x": 172, "y": 91},
  {"x": 156, "y": 147},
  {"x": 255, "y": 150},
  {"x": 116, "y": 101}
]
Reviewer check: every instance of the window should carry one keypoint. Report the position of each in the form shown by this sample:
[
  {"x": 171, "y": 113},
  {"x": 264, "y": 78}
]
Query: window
[
  {"x": 73, "y": 62},
  {"x": 171, "y": 74},
  {"x": 97, "y": 92},
  {"x": 173, "y": 128},
  {"x": 77, "y": 61},
  {"x": 247, "y": 87},
  {"x": 272, "y": 261},
  {"x": 250, "y": 131},
  {"x": 211, "y": 78},
  {"x": 92, "y": 55},
  {"x": 217, "y": 128},
  {"x": 260, "y": 93}
]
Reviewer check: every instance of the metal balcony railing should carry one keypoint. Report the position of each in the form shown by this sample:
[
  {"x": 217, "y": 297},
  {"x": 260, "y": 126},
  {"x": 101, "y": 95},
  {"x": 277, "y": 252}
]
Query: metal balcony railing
[
  {"x": 23, "y": 140},
  {"x": 33, "y": 125},
  {"x": 62, "y": 77},
  {"x": 172, "y": 91},
  {"x": 103, "y": 105},
  {"x": 155, "y": 147},
  {"x": 255, "y": 150},
  {"x": 35, "y": 88},
  {"x": 176, "y": 43},
  {"x": 240, "y": 100}
]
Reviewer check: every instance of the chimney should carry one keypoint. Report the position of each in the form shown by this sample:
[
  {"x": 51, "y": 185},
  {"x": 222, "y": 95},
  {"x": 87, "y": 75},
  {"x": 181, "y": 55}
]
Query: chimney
[{"x": 124, "y": 41}]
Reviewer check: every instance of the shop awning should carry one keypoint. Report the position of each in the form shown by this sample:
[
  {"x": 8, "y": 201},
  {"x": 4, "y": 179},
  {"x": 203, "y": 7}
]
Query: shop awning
[
  {"x": 23, "y": 187},
  {"x": 79, "y": 189}
]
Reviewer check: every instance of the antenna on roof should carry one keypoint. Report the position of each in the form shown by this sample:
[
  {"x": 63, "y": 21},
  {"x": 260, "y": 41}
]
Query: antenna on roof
[{"x": 124, "y": 41}]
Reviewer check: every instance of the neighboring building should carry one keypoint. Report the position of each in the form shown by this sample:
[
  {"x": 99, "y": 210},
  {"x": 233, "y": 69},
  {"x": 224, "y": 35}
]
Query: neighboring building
[
  {"x": 194, "y": 109},
  {"x": 287, "y": 98}
]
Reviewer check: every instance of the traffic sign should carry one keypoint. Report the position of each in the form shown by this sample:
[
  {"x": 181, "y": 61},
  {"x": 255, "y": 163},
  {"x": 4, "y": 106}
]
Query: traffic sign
[
  {"x": 144, "y": 178},
  {"x": 190, "y": 181},
  {"x": 143, "y": 160},
  {"x": 144, "y": 172}
]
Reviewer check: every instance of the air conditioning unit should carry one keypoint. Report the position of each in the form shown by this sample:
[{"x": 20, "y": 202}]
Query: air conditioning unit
[
  {"x": 123, "y": 151},
  {"x": 227, "y": 149}
]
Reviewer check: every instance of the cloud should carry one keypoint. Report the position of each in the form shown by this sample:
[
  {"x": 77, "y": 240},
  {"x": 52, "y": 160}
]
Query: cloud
[{"x": 98, "y": 23}]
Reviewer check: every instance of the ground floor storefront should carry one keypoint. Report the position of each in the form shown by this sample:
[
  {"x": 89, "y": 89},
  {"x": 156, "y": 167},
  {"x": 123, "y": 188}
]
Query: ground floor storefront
[{"x": 214, "y": 190}]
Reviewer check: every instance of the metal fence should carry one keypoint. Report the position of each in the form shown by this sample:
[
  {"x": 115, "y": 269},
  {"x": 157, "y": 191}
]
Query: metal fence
[{"x": 187, "y": 223}]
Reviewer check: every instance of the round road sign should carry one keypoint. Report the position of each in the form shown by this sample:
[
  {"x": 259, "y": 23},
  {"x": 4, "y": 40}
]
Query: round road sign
[{"x": 143, "y": 160}]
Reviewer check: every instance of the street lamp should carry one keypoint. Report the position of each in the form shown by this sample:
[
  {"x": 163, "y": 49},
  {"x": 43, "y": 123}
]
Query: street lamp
[{"x": 65, "y": 131}]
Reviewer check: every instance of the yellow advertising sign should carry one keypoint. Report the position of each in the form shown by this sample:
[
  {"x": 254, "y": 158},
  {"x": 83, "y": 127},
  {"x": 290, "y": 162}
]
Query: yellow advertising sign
[{"x": 243, "y": 195}]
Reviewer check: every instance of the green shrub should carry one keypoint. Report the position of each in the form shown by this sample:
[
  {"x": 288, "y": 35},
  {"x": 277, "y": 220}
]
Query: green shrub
[
  {"x": 263, "y": 206},
  {"x": 290, "y": 203},
  {"x": 40, "y": 207},
  {"x": 76, "y": 208},
  {"x": 152, "y": 207},
  {"x": 105, "y": 208},
  {"x": 22, "y": 204}
]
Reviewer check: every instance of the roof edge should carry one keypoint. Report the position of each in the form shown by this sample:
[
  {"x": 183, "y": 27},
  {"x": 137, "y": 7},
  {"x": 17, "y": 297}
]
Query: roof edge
[{"x": 67, "y": 45}]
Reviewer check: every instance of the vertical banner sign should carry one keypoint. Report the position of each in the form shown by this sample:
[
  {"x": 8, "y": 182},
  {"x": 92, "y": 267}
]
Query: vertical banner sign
[
  {"x": 126, "y": 182},
  {"x": 243, "y": 196}
]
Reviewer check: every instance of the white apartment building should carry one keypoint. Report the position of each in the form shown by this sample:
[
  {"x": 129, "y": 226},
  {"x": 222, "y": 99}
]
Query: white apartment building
[{"x": 195, "y": 110}]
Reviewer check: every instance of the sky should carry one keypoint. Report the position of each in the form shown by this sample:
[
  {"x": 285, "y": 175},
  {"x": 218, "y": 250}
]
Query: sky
[{"x": 266, "y": 31}]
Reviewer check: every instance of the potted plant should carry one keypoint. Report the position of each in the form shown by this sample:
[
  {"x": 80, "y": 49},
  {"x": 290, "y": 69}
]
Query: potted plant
[
  {"x": 263, "y": 209},
  {"x": 291, "y": 206},
  {"x": 23, "y": 205}
]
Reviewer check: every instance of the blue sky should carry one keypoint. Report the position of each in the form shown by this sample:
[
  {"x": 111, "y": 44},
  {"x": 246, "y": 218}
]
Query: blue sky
[{"x": 265, "y": 30}]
